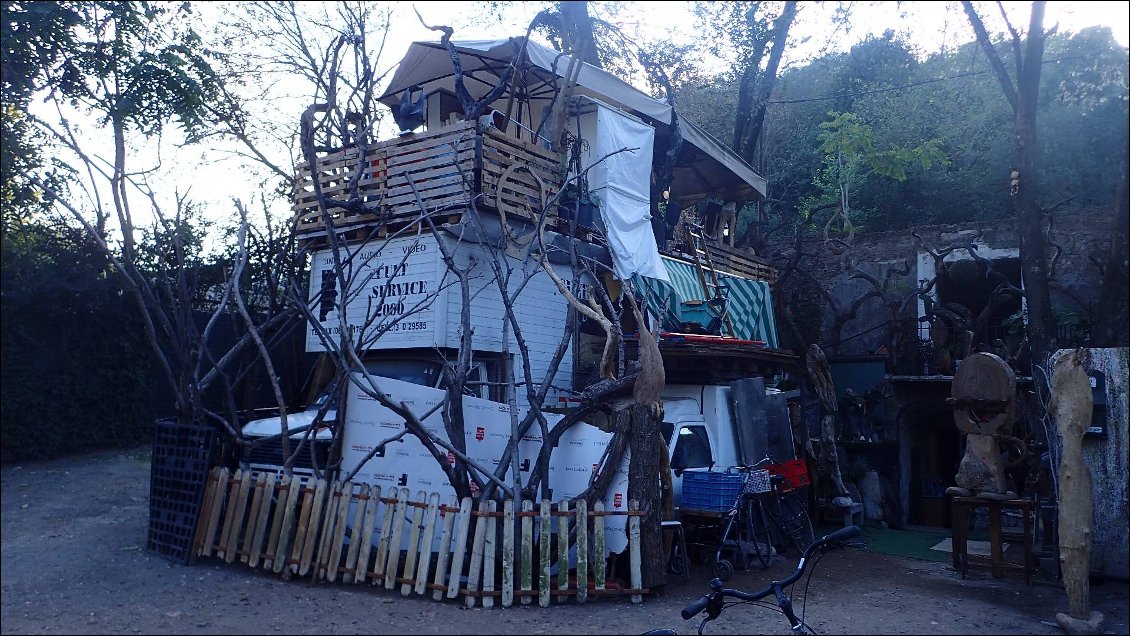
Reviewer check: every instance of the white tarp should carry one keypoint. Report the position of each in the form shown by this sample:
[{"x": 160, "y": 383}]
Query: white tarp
[
  {"x": 622, "y": 181},
  {"x": 408, "y": 464}
]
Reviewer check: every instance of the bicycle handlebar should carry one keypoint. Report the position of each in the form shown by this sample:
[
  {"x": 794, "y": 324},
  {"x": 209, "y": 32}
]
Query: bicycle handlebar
[{"x": 719, "y": 592}]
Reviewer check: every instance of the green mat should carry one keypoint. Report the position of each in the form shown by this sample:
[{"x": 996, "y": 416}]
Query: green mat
[{"x": 914, "y": 544}]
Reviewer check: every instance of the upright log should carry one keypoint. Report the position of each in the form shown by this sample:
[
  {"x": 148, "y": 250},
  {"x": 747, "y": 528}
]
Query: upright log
[{"x": 1071, "y": 405}]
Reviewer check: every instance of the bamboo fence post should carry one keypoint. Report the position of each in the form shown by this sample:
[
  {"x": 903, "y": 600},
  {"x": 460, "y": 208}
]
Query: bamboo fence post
[
  {"x": 460, "y": 552},
  {"x": 444, "y": 547},
  {"x": 373, "y": 503},
  {"x": 488, "y": 556},
  {"x": 598, "y": 566},
  {"x": 544, "y": 548},
  {"x": 431, "y": 518},
  {"x": 413, "y": 545},
  {"x": 508, "y": 553},
  {"x": 475, "y": 568},
  {"x": 527, "y": 551},
  {"x": 386, "y": 530},
  {"x": 582, "y": 551},
  {"x": 394, "y": 540},
  {"x": 634, "y": 549}
]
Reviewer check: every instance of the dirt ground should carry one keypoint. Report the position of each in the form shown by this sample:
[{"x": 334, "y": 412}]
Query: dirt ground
[{"x": 74, "y": 562}]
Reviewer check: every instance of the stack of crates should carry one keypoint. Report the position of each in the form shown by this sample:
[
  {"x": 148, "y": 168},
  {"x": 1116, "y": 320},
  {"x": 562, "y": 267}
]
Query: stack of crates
[{"x": 182, "y": 457}]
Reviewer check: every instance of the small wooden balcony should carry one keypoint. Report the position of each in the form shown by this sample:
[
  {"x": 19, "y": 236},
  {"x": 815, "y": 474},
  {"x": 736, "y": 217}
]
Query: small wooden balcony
[{"x": 448, "y": 167}]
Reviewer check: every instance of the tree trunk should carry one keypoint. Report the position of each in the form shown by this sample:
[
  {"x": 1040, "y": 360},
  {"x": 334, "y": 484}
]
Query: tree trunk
[
  {"x": 643, "y": 486},
  {"x": 1071, "y": 411}
]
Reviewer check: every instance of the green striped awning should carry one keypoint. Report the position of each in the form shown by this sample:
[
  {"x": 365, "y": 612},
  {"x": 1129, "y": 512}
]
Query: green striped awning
[{"x": 750, "y": 304}]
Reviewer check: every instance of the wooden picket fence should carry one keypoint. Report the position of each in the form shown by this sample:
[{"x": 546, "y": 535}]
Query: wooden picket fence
[{"x": 291, "y": 526}]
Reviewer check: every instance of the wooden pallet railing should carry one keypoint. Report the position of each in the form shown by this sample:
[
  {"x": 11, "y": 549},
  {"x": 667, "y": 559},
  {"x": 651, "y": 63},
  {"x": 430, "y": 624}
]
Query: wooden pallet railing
[
  {"x": 448, "y": 166},
  {"x": 292, "y": 526}
]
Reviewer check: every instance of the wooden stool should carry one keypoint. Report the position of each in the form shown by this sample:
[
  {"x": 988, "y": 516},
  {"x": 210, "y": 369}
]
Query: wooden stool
[
  {"x": 963, "y": 561},
  {"x": 678, "y": 548}
]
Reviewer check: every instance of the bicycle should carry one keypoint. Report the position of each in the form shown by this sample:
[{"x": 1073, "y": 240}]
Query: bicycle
[
  {"x": 714, "y": 602},
  {"x": 765, "y": 515}
]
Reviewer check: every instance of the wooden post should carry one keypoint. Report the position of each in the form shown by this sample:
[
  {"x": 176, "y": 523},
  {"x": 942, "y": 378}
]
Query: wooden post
[
  {"x": 475, "y": 568},
  {"x": 329, "y": 527},
  {"x": 268, "y": 490},
  {"x": 508, "y": 553},
  {"x": 431, "y": 518},
  {"x": 634, "y": 549},
  {"x": 198, "y": 539},
  {"x": 394, "y": 541},
  {"x": 413, "y": 544},
  {"x": 544, "y": 548},
  {"x": 1071, "y": 406},
  {"x": 311, "y": 534},
  {"x": 527, "y": 551},
  {"x": 221, "y": 489},
  {"x": 286, "y": 529},
  {"x": 598, "y": 565},
  {"x": 460, "y": 551},
  {"x": 444, "y": 547},
  {"x": 488, "y": 556},
  {"x": 386, "y": 530},
  {"x": 359, "y": 535},
  {"x": 562, "y": 549},
  {"x": 582, "y": 551},
  {"x": 253, "y": 516}
]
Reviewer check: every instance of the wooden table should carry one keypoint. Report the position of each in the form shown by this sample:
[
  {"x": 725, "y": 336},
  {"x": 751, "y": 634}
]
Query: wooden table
[{"x": 996, "y": 563}]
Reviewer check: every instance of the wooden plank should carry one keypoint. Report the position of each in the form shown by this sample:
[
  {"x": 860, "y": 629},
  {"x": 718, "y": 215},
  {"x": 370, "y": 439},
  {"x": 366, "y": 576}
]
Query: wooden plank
[
  {"x": 634, "y": 550},
  {"x": 386, "y": 530},
  {"x": 545, "y": 546},
  {"x": 582, "y": 551},
  {"x": 444, "y": 548},
  {"x": 508, "y": 553},
  {"x": 527, "y": 551},
  {"x": 488, "y": 556},
  {"x": 357, "y": 537},
  {"x": 256, "y": 496},
  {"x": 225, "y": 531},
  {"x": 394, "y": 540},
  {"x": 310, "y": 548},
  {"x": 562, "y": 549},
  {"x": 264, "y": 513},
  {"x": 431, "y": 519},
  {"x": 345, "y": 499},
  {"x": 460, "y": 551},
  {"x": 598, "y": 556},
  {"x": 494, "y": 138},
  {"x": 326, "y": 528},
  {"x": 365, "y": 539},
  {"x": 413, "y": 545},
  {"x": 198, "y": 539},
  {"x": 474, "y": 571},
  {"x": 307, "y": 522},
  {"x": 282, "y": 490},
  {"x": 238, "y": 512},
  {"x": 287, "y": 529},
  {"x": 214, "y": 515}
]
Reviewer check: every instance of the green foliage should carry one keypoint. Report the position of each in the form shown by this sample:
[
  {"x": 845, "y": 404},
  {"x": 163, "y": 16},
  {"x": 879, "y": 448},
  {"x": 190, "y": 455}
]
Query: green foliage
[
  {"x": 76, "y": 367},
  {"x": 916, "y": 106}
]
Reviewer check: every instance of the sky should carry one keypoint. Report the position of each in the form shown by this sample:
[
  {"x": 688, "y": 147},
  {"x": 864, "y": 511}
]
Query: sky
[{"x": 932, "y": 26}]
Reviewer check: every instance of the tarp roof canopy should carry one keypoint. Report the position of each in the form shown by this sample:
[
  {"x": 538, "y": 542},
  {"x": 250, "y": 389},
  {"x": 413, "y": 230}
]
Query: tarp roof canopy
[{"x": 703, "y": 168}]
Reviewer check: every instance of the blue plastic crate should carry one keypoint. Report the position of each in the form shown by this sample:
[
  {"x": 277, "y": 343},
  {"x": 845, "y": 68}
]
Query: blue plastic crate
[{"x": 711, "y": 491}]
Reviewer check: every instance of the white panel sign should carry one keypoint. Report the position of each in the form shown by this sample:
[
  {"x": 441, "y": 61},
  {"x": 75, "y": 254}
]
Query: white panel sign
[
  {"x": 390, "y": 282},
  {"x": 406, "y": 463}
]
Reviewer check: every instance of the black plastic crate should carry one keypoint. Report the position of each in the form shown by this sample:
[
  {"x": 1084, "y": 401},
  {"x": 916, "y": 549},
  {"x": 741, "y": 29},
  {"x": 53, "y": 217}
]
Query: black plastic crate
[{"x": 182, "y": 456}]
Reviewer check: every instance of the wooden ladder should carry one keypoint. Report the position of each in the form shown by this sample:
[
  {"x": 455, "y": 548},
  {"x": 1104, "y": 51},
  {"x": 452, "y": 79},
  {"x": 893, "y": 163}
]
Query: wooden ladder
[{"x": 712, "y": 288}]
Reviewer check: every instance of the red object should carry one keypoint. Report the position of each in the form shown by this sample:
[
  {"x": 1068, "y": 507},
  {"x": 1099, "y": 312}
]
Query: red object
[
  {"x": 699, "y": 337},
  {"x": 795, "y": 473},
  {"x": 480, "y": 433},
  {"x": 618, "y": 500}
]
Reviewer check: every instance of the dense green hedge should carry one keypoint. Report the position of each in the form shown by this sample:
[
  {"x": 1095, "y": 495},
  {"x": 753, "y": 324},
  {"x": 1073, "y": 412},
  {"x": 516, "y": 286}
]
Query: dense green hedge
[{"x": 75, "y": 367}]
